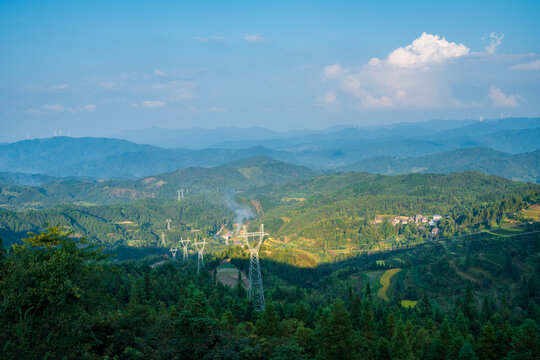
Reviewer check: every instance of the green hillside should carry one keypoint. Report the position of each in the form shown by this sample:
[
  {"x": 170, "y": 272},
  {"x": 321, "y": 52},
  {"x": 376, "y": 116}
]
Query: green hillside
[
  {"x": 138, "y": 224},
  {"x": 226, "y": 179},
  {"x": 321, "y": 219}
]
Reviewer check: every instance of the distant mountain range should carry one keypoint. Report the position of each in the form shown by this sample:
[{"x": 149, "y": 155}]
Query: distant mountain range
[
  {"x": 521, "y": 167},
  {"x": 198, "y": 138},
  {"x": 336, "y": 148}
]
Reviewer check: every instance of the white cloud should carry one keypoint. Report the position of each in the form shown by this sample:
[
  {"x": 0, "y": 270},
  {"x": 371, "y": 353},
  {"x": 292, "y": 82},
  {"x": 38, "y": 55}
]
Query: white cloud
[
  {"x": 209, "y": 39},
  {"x": 327, "y": 99},
  {"x": 494, "y": 43},
  {"x": 427, "y": 49},
  {"x": 57, "y": 108},
  {"x": 532, "y": 65},
  {"x": 46, "y": 89},
  {"x": 152, "y": 103},
  {"x": 499, "y": 99},
  {"x": 158, "y": 72},
  {"x": 414, "y": 76},
  {"x": 54, "y": 108},
  {"x": 333, "y": 71},
  {"x": 254, "y": 39}
]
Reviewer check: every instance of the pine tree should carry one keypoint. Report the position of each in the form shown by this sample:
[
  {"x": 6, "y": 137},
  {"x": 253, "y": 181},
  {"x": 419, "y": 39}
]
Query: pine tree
[
  {"x": 399, "y": 347},
  {"x": 486, "y": 309},
  {"x": 443, "y": 344},
  {"x": 337, "y": 334},
  {"x": 368, "y": 320},
  {"x": 526, "y": 342},
  {"x": 2, "y": 250},
  {"x": 383, "y": 349},
  {"x": 425, "y": 306},
  {"x": 268, "y": 324},
  {"x": 390, "y": 325},
  {"x": 356, "y": 312},
  {"x": 469, "y": 307},
  {"x": 487, "y": 343},
  {"x": 461, "y": 324},
  {"x": 467, "y": 352}
]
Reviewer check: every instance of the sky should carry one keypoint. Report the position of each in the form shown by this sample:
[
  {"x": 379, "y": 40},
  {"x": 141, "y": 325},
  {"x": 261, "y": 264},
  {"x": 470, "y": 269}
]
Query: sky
[{"x": 94, "y": 68}]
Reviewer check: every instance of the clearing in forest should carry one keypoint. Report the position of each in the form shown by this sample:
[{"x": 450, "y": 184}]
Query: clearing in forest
[
  {"x": 227, "y": 274},
  {"x": 385, "y": 282},
  {"x": 409, "y": 303}
]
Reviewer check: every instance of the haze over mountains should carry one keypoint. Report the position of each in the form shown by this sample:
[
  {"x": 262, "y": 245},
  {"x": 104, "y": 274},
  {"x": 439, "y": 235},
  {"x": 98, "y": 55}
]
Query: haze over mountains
[{"x": 505, "y": 147}]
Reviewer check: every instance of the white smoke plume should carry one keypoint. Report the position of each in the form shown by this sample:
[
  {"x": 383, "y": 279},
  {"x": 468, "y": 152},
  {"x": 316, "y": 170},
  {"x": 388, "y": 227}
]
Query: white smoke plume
[{"x": 242, "y": 213}]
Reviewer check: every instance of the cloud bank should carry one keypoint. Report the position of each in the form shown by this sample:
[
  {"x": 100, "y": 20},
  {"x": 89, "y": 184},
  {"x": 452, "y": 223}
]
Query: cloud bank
[{"x": 430, "y": 72}]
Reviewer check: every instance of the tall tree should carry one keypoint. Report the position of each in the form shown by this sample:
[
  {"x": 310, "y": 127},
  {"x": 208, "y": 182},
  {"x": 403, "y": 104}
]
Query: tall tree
[{"x": 337, "y": 335}]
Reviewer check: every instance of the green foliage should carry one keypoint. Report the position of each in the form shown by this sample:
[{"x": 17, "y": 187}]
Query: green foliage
[
  {"x": 58, "y": 299},
  {"x": 340, "y": 208}
]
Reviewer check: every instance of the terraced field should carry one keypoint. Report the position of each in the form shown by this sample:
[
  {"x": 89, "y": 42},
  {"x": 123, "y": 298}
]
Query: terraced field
[{"x": 385, "y": 282}]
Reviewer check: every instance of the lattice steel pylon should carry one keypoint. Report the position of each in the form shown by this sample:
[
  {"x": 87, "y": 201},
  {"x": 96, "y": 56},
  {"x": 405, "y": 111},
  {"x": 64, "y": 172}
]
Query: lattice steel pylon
[
  {"x": 162, "y": 239},
  {"x": 255, "y": 290},
  {"x": 174, "y": 250},
  {"x": 199, "y": 246},
  {"x": 184, "y": 244}
]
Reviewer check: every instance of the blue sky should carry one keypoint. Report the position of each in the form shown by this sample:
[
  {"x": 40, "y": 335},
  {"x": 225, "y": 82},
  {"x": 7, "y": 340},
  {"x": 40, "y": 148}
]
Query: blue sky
[{"x": 94, "y": 68}]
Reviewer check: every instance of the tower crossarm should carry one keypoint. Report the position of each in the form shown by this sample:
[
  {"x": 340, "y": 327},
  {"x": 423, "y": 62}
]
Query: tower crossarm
[{"x": 258, "y": 234}]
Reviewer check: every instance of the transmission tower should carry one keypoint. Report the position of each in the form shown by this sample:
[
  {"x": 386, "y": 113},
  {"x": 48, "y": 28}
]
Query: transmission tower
[
  {"x": 255, "y": 290},
  {"x": 180, "y": 194},
  {"x": 169, "y": 224},
  {"x": 174, "y": 250},
  {"x": 199, "y": 246},
  {"x": 185, "y": 244},
  {"x": 162, "y": 238}
]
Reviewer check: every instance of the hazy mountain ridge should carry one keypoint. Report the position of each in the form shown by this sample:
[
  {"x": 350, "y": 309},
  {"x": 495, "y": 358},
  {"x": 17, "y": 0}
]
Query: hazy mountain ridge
[
  {"x": 199, "y": 138},
  {"x": 14, "y": 178},
  {"x": 521, "y": 167},
  {"x": 334, "y": 148}
]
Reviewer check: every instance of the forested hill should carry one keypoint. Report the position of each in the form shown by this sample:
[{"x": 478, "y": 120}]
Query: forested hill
[
  {"x": 521, "y": 167},
  {"x": 228, "y": 179},
  {"x": 338, "y": 210},
  {"x": 48, "y": 155},
  {"x": 15, "y": 178}
]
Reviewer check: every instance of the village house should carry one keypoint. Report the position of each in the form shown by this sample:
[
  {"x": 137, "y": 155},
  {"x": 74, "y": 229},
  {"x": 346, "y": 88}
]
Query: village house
[
  {"x": 403, "y": 219},
  {"x": 378, "y": 220},
  {"x": 437, "y": 217},
  {"x": 435, "y": 231}
]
